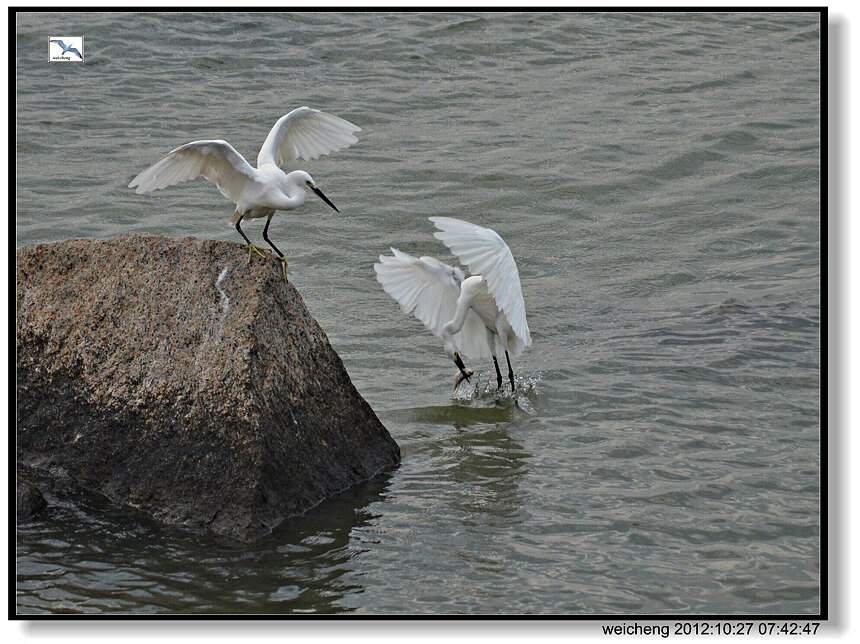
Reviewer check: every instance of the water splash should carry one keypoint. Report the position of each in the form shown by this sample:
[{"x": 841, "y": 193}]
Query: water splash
[{"x": 483, "y": 390}]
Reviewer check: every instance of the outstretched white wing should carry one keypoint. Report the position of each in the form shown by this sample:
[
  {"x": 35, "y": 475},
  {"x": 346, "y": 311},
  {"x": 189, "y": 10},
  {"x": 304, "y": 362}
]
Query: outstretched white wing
[
  {"x": 217, "y": 161},
  {"x": 487, "y": 254},
  {"x": 306, "y": 133},
  {"x": 429, "y": 289}
]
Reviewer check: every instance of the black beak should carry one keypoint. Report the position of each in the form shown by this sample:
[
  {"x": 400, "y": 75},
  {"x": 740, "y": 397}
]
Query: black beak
[
  {"x": 324, "y": 198},
  {"x": 459, "y": 362}
]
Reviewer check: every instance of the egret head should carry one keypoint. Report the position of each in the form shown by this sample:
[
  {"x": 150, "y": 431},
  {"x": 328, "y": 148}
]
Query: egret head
[{"x": 305, "y": 178}]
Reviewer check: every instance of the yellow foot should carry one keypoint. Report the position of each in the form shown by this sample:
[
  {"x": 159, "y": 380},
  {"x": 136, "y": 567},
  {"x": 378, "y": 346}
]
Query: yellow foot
[
  {"x": 254, "y": 249},
  {"x": 286, "y": 263}
]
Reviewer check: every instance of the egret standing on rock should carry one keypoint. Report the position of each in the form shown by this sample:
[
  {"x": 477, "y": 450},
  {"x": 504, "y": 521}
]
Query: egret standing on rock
[
  {"x": 471, "y": 315},
  {"x": 257, "y": 192}
]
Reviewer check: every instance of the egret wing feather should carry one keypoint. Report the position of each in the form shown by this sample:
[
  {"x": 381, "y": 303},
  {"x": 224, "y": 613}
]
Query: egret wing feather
[
  {"x": 486, "y": 254},
  {"x": 314, "y": 137},
  {"x": 429, "y": 289},
  {"x": 216, "y": 161},
  {"x": 308, "y": 134},
  {"x": 422, "y": 286}
]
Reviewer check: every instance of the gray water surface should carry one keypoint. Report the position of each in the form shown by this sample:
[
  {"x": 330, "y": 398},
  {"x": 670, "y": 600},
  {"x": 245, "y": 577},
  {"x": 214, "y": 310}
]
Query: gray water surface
[{"x": 657, "y": 177}]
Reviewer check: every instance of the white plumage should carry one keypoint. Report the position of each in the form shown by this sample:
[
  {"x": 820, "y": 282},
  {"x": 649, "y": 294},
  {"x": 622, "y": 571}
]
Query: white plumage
[
  {"x": 471, "y": 315},
  {"x": 257, "y": 192}
]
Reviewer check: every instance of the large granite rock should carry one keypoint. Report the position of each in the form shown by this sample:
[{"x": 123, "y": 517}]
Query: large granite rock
[{"x": 170, "y": 375}]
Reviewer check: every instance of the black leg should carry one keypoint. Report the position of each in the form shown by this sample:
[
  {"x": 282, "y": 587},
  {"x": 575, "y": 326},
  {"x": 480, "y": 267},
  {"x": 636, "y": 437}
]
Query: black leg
[
  {"x": 510, "y": 372},
  {"x": 269, "y": 241},
  {"x": 275, "y": 248},
  {"x": 251, "y": 248},
  {"x": 241, "y": 233},
  {"x": 498, "y": 372}
]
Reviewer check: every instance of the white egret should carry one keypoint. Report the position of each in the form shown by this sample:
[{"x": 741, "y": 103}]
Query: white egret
[
  {"x": 257, "y": 192},
  {"x": 471, "y": 315}
]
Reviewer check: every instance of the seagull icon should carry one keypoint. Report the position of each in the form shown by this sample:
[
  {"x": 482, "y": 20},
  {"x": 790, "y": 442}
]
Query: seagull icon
[{"x": 68, "y": 49}]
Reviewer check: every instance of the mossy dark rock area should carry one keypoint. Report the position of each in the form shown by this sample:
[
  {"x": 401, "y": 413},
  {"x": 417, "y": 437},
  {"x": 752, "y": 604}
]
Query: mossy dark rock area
[
  {"x": 172, "y": 376},
  {"x": 29, "y": 501}
]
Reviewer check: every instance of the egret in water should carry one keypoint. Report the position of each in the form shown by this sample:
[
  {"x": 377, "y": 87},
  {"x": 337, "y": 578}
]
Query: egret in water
[
  {"x": 257, "y": 192},
  {"x": 471, "y": 315},
  {"x": 67, "y": 49}
]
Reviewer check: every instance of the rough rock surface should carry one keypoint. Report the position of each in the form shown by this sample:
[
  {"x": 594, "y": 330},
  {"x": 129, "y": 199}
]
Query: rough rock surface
[
  {"x": 28, "y": 501},
  {"x": 172, "y": 376}
]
